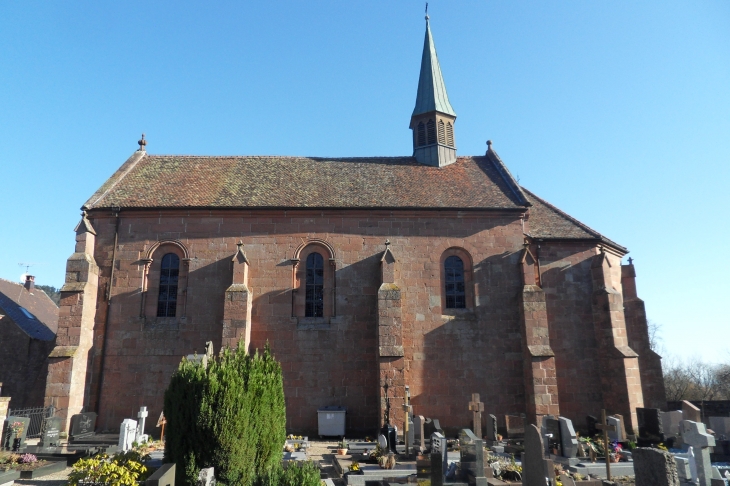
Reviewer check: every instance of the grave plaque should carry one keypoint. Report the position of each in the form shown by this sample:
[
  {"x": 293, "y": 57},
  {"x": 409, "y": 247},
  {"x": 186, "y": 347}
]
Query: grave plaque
[
  {"x": 553, "y": 437},
  {"x": 9, "y": 436},
  {"x": 51, "y": 432},
  {"x": 650, "y": 426},
  {"x": 515, "y": 426},
  {"x": 568, "y": 437},
  {"x": 82, "y": 426},
  {"x": 491, "y": 427},
  {"x": 471, "y": 449}
]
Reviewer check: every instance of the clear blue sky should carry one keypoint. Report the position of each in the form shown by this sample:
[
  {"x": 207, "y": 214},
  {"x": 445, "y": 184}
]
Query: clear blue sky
[{"x": 617, "y": 112}]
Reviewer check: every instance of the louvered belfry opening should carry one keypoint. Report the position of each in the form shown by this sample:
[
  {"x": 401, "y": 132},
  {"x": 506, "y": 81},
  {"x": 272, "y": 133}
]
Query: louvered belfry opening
[
  {"x": 431, "y": 129},
  {"x": 450, "y": 135},
  {"x": 442, "y": 132},
  {"x": 421, "y": 134}
]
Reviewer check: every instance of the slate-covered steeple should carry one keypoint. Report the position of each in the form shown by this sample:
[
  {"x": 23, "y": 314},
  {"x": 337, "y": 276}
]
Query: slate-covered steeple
[{"x": 433, "y": 117}]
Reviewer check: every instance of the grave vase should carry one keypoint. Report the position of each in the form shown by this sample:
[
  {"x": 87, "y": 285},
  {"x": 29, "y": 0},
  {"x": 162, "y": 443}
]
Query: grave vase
[{"x": 16, "y": 444}]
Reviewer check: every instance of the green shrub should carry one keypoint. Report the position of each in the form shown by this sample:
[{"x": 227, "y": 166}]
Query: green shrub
[
  {"x": 295, "y": 474},
  {"x": 229, "y": 415}
]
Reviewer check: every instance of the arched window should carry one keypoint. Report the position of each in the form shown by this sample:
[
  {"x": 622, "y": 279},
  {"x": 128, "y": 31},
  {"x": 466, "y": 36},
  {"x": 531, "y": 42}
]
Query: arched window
[
  {"x": 431, "y": 129},
  {"x": 442, "y": 132},
  {"x": 315, "y": 286},
  {"x": 167, "y": 299},
  {"x": 455, "y": 288},
  {"x": 450, "y": 134},
  {"x": 421, "y": 134}
]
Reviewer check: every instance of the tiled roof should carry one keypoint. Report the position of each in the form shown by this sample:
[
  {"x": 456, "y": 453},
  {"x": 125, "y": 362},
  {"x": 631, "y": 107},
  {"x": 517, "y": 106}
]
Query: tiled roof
[
  {"x": 171, "y": 181},
  {"x": 34, "y": 312},
  {"x": 550, "y": 223}
]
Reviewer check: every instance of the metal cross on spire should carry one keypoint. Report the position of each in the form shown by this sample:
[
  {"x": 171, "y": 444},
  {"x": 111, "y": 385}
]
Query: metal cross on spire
[{"x": 426, "y": 10}]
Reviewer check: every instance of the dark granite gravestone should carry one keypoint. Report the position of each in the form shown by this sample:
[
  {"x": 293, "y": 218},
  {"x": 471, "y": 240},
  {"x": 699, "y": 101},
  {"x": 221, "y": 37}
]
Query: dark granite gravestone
[
  {"x": 8, "y": 436},
  {"x": 390, "y": 435},
  {"x": 515, "y": 426},
  {"x": 553, "y": 436},
  {"x": 591, "y": 423},
  {"x": 535, "y": 468},
  {"x": 654, "y": 467},
  {"x": 472, "y": 457},
  {"x": 491, "y": 428},
  {"x": 82, "y": 426},
  {"x": 439, "y": 458},
  {"x": 50, "y": 435},
  {"x": 651, "y": 431},
  {"x": 431, "y": 426}
]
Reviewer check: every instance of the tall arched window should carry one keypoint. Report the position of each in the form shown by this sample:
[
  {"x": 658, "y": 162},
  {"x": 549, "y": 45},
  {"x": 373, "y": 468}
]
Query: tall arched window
[
  {"x": 454, "y": 277},
  {"x": 167, "y": 299},
  {"x": 442, "y": 132},
  {"x": 421, "y": 134},
  {"x": 315, "y": 286},
  {"x": 450, "y": 134},
  {"x": 431, "y": 129}
]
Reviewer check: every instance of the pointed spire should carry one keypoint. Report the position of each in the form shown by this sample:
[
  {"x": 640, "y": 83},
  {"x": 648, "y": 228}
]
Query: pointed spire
[{"x": 431, "y": 88}]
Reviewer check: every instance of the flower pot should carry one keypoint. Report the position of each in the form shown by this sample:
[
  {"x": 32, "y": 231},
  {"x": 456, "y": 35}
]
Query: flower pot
[{"x": 341, "y": 452}]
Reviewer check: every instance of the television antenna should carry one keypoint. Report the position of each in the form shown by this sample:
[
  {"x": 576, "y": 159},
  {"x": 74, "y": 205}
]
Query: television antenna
[{"x": 27, "y": 266}]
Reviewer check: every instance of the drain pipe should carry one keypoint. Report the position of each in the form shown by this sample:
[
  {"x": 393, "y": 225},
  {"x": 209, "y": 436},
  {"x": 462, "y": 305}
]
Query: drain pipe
[{"x": 108, "y": 297}]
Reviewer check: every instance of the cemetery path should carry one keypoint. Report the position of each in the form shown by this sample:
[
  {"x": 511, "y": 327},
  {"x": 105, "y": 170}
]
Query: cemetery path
[
  {"x": 56, "y": 479},
  {"x": 322, "y": 452}
]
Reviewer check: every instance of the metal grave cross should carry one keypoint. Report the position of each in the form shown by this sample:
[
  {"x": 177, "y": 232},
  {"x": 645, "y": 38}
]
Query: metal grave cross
[
  {"x": 161, "y": 422},
  {"x": 477, "y": 408},
  {"x": 605, "y": 427}
]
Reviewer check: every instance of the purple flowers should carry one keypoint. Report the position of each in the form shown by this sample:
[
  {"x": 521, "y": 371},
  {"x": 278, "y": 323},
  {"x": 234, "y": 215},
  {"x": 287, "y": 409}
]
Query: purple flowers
[{"x": 28, "y": 459}]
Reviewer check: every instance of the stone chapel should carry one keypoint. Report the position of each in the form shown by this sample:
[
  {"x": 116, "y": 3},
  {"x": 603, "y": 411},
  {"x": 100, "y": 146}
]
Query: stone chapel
[{"x": 433, "y": 270}]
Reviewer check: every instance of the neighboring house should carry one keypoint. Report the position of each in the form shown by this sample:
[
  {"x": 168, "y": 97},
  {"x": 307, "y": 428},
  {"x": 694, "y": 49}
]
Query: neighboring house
[{"x": 28, "y": 325}]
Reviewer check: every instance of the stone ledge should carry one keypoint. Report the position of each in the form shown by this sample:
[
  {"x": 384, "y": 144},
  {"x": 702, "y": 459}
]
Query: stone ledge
[
  {"x": 541, "y": 350},
  {"x": 63, "y": 352},
  {"x": 391, "y": 351}
]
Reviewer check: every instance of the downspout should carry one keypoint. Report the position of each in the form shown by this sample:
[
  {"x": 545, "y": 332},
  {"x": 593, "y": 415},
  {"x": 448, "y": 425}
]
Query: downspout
[{"x": 115, "y": 211}]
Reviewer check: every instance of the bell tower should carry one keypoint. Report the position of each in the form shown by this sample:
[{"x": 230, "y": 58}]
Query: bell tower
[{"x": 433, "y": 117}]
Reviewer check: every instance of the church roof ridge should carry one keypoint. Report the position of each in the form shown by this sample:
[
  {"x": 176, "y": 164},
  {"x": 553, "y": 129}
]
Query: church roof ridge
[{"x": 432, "y": 95}]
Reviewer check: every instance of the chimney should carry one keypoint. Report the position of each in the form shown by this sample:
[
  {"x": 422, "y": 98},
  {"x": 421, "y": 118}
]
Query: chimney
[{"x": 29, "y": 283}]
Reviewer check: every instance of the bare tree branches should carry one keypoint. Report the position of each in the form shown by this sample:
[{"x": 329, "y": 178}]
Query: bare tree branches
[{"x": 695, "y": 380}]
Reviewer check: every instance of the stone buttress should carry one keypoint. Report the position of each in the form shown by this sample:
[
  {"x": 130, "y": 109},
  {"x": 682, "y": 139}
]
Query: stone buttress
[
  {"x": 237, "y": 306},
  {"x": 391, "y": 361},
  {"x": 541, "y": 386},
  {"x": 618, "y": 364},
  {"x": 650, "y": 363},
  {"x": 67, "y": 383}
]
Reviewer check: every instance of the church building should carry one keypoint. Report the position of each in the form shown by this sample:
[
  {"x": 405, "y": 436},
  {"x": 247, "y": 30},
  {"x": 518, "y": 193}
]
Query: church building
[{"x": 435, "y": 270}]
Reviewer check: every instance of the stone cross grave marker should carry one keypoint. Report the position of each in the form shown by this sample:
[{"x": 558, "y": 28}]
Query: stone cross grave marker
[
  {"x": 568, "y": 437},
  {"x": 476, "y": 408},
  {"x": 127, "y": 434},
  {"x": 492, "y": 427},
  {"x": 142, "y": 416},
  {"x": 651, "y": 432},
  {"x": 654, "y": 467},
  {"x": 606, "y": 427},
  {"x": 418, "y": 434},
  {"x": 695, "y": 434},
  {"x": 471, "y": 450},
  {"x": 690, "y": 412},
  {"x": 536, "y": 470}
]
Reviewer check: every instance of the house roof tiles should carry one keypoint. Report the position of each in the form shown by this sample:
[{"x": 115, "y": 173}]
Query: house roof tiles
[{"x": 34, "y": 312}]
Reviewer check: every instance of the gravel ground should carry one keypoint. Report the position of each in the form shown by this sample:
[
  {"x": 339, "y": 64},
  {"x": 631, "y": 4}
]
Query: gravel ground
[{"x": 57, "y": 479}]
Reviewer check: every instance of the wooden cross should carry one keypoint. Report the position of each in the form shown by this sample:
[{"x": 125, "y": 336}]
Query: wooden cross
[
  {"x": 605, "y": 428},
  {"x": 161, "y": 423},
  {"x": 477, "y": 408}
]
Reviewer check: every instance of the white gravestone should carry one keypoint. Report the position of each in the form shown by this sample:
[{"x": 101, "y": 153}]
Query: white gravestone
[
  {"x": 206, "y": 477},
  {"x": 142, "y": 415},
  {"x": 127, "y": 434},
  {"x": 695, "y": 434}
]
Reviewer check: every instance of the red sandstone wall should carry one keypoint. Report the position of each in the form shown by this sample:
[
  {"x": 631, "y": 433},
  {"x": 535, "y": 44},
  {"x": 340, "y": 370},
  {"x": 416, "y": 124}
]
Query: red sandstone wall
[{"x": 566, "y": 277}]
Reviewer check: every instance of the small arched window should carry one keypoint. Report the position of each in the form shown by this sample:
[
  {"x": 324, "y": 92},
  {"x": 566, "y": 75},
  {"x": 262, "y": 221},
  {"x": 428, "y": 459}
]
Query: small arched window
[
  {"x": 455, "y": 288},
  {"x": 314, "y": 306},
  {"x": 421, "y": 134},
  {"x": 167, "y": 299},
  {"x": 450, "y": 134},
  {"x": 442, "y": 132},
  {"x": 431, "y": 129}
]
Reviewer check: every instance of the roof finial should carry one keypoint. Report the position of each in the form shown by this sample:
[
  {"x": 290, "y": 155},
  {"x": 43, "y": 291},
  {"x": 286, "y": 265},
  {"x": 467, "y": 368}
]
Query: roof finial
[
  {"x": 427, "y": 12},
  {"x": 387, "y": 243},
  {"x": 142, "y": 144},
  {"x": 631, "y": 261},
  {"x": 489, "y": 144}
]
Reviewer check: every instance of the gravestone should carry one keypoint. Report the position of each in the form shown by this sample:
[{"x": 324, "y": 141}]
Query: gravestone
[
  {"x": 721, "y": 426},
  {"x": 551, "y": 434},
  {"x": 8, "y": 437},
  {"x": 690, "y": 412},
  {"x": 82, "y": 426},
  {"x": 591, "y": 423},
  {"x": 383, "y": 442},
  {"x": 164, "y": 476},
  {"x": 515, "y": 426},
  {"x": 622, "y": 422},
  {"x": 439, "y": 458},
  {"x": 695, "y": 435},
  {"x": 206, "y": 477},
  {"x": 492, "y": 427},
  {"x": 568, "y": 437},
  {"x": 127, "y": 434},
  {"x": 471, "y": 450},
  {"x": 536, "y": 470},
  {"x": 419, "y": 439},
  {"x": 650, "y": 427},
  {"x": 683, "y": 469},
  {"x": 431, "y": 426},
  {"x": 476, "y": 407},
  {"x": 50, "y": 435},
  {"x": 411, "y": 434},
  {"x": 615, "y": 434},
  {"x": 670, "y": 423},
  {"x": 654, "y": 467},
  {"x": 142, "y": 416}
]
